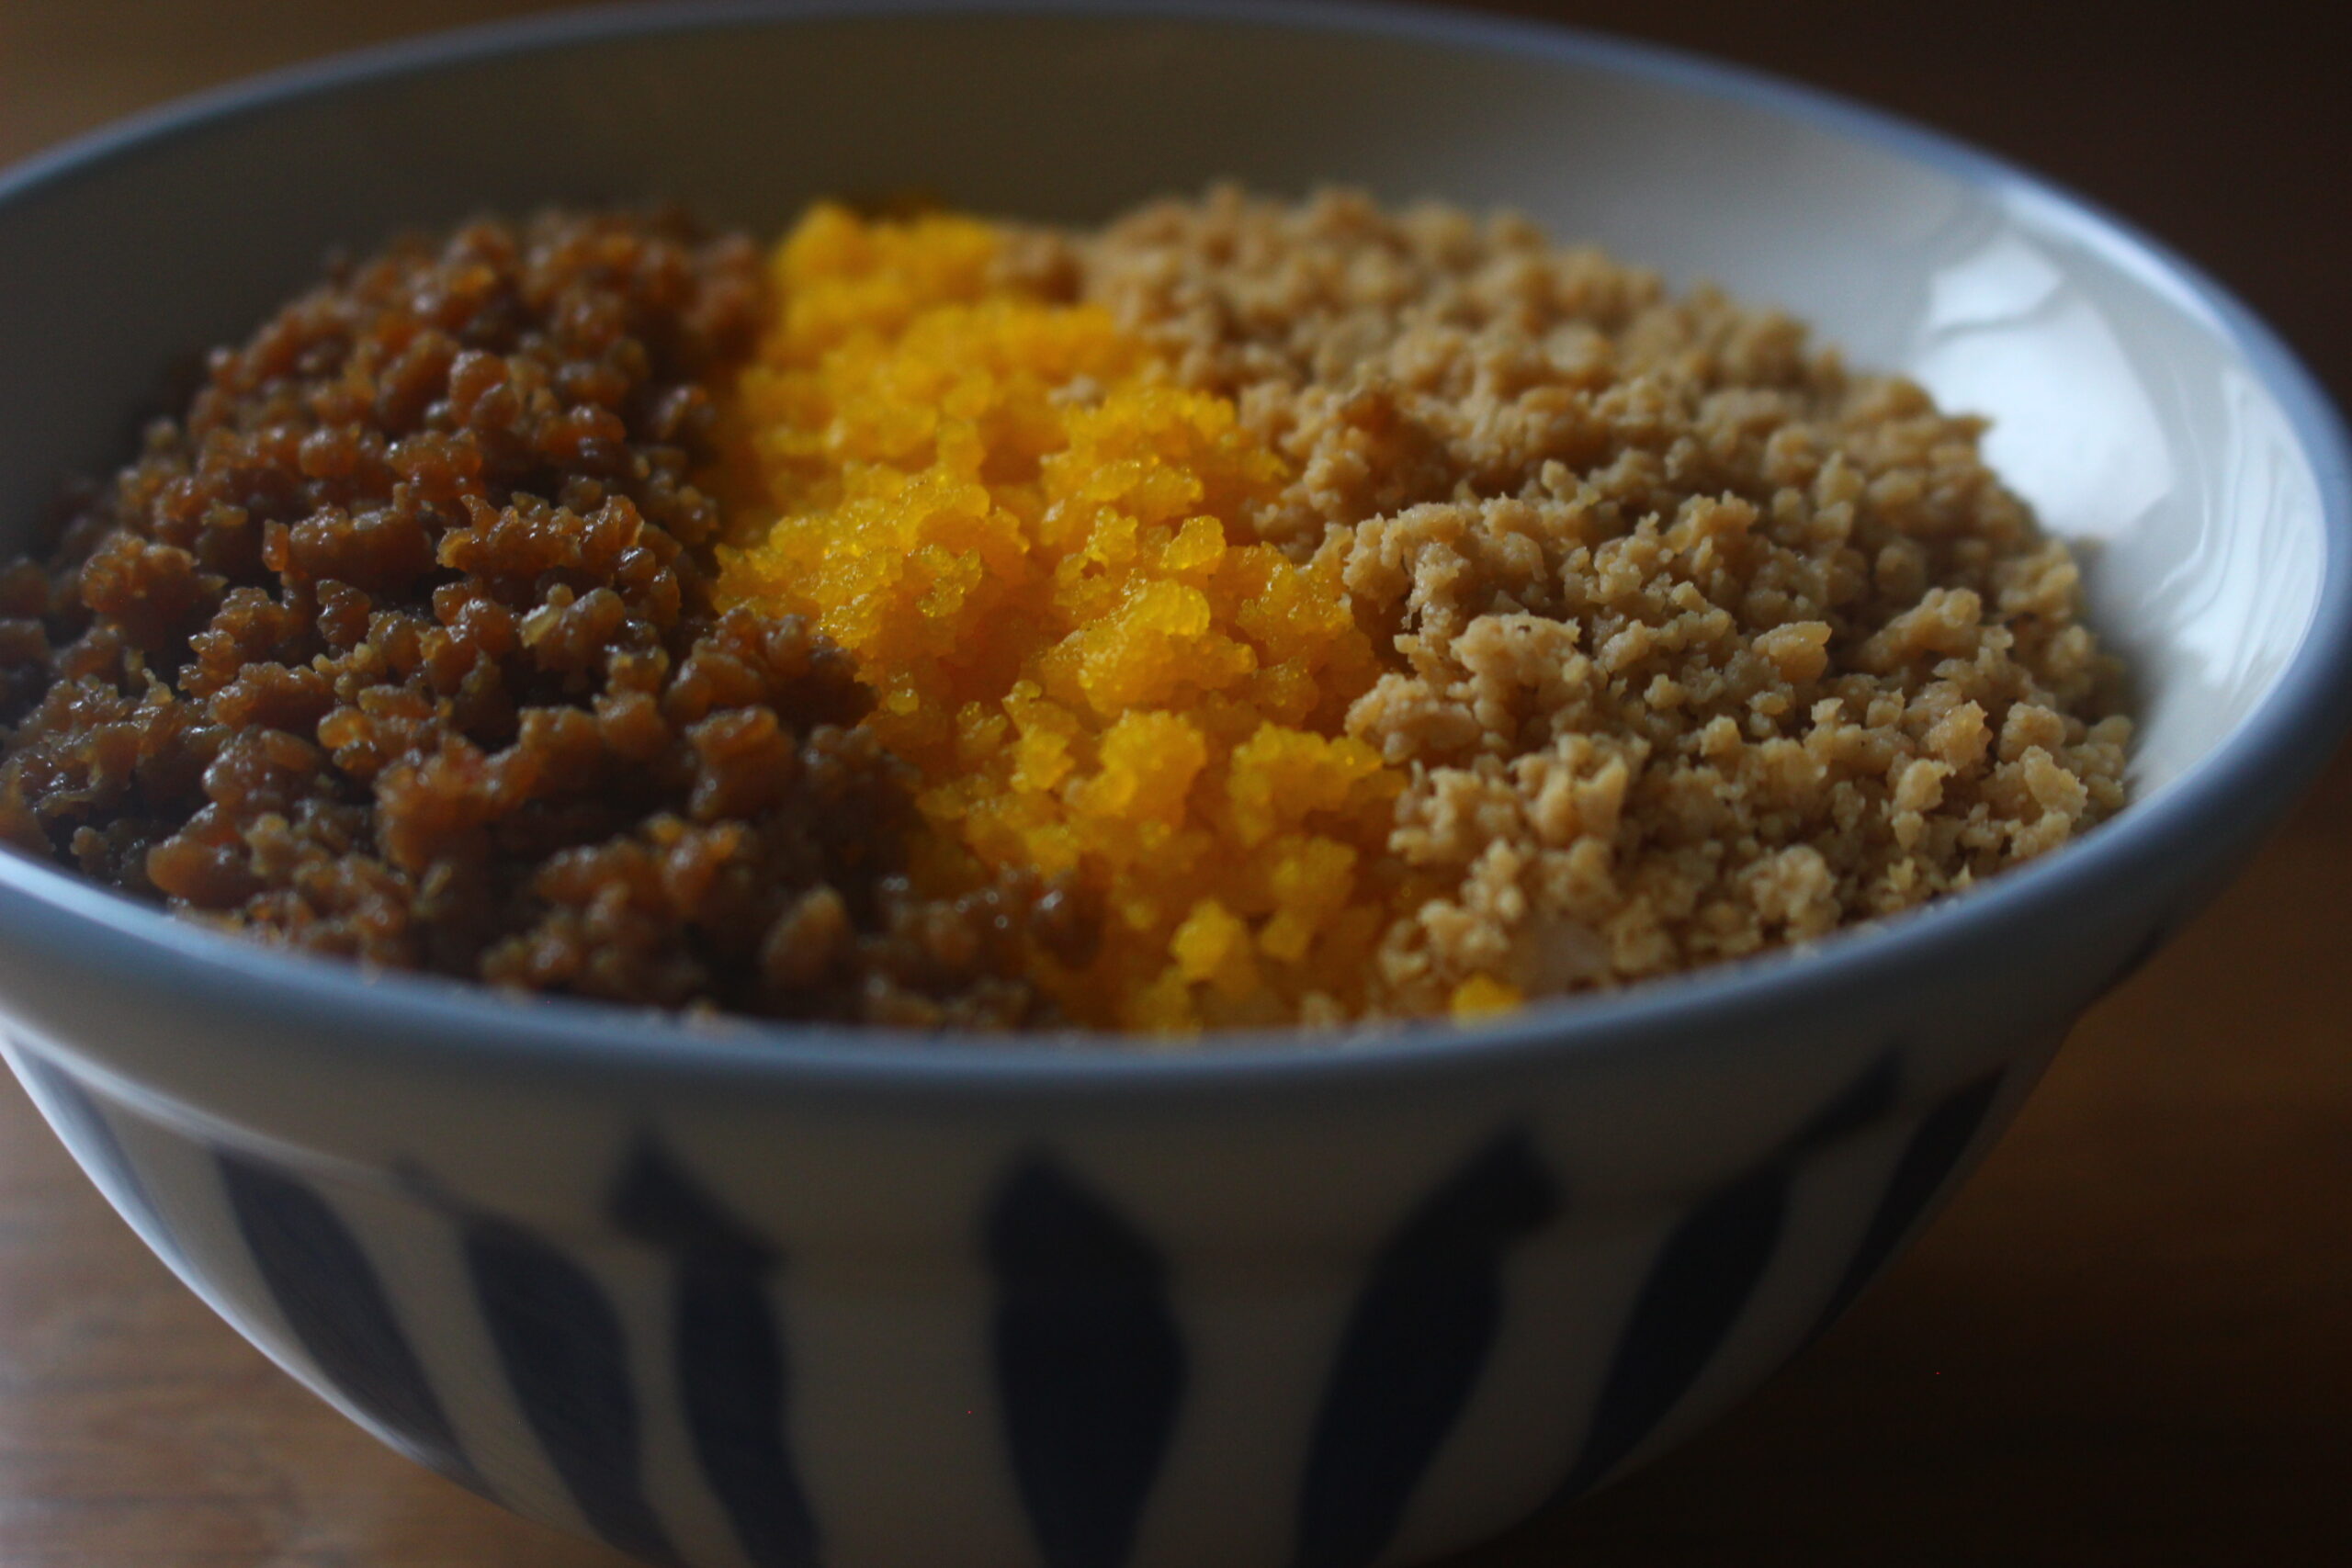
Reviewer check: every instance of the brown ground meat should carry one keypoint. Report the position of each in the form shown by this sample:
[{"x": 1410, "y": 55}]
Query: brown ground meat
[{"x": 398, "y": 646}]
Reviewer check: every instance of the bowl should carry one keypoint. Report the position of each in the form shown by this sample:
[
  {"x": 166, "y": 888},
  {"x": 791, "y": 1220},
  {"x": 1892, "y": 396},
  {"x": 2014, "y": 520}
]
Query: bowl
[{"x": 728, "y": 1292}]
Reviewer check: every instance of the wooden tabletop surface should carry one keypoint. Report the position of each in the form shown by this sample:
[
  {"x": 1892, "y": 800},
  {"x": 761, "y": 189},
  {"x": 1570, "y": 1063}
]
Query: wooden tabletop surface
[{"x": 2129, "y": 1341}]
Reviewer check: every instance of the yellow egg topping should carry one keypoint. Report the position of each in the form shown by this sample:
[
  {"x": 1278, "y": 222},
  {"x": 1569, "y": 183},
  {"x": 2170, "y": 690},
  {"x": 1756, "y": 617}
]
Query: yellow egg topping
[{"x": 1034, "y": 546}]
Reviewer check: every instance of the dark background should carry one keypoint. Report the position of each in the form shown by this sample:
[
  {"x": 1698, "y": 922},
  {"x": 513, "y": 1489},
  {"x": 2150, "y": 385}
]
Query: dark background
[
  {"x": 2129, "y": 1342},
  {"x": 2221, "y": 126}
]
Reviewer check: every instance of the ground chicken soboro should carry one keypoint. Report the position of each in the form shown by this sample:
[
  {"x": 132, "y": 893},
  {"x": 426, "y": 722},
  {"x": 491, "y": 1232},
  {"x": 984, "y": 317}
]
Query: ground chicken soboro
[
  {"x": 400, "y": 646},
  {"x": 1700, "y": 643}
]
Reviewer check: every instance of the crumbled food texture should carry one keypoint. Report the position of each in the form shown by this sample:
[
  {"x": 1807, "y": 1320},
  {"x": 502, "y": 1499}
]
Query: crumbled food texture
[
  {"x": 1247, "y": 613},
  {"x": 1032, "y": 542},
  {"x": 1694, "y": 643},
  {"x": 400, "y": 646}
]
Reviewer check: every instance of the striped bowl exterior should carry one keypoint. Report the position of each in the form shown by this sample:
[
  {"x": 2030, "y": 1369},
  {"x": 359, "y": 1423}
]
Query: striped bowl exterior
[
  {"x": 1075, "y": 1391},
  {"x": 732, "y": 1296}
]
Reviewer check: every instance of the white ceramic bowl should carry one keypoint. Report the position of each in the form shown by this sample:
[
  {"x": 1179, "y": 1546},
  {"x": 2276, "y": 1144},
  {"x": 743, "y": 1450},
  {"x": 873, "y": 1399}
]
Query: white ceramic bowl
[{"x": 784, "y": 1296}]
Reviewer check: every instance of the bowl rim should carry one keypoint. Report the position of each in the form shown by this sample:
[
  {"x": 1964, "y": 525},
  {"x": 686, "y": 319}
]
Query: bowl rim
[{"x": 2272, "y": 754}]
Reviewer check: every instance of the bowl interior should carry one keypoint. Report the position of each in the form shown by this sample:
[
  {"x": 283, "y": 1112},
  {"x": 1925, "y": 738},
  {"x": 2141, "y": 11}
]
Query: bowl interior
[{"x": 2121, "y": 405}]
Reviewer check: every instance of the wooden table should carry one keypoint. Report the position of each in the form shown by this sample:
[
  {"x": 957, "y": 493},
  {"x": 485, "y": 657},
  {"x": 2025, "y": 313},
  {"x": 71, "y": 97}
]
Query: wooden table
[{"x": 2129, "y": 1341}]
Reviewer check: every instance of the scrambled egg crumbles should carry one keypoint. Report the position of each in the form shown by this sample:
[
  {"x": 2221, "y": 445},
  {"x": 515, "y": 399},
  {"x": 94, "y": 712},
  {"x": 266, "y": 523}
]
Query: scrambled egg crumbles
[{"x": 1035, "y": 545}]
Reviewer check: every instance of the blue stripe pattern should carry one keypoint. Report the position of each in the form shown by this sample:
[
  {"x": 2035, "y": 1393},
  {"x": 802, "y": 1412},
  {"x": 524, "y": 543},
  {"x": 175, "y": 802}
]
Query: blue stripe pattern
[
  {"x": 1415, "y": 1346},
  {"x": 1926, "y": 1163},
  {"x": 1694, "y": 1292},
  {"x": 2137, "y": 958},
  {"x": 729, "y": 1360},
  {"x": 1703, "y": 1279},
  {"x": 566, "y": 1358},
  {"x": 91, "y": 1139},
  {"x": 1091, "y": 1369},
  {"x": 331, "y": 1297},
  {"x": 1090, "y": 1363},
  {"x": 1859, "y": 1106}
]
